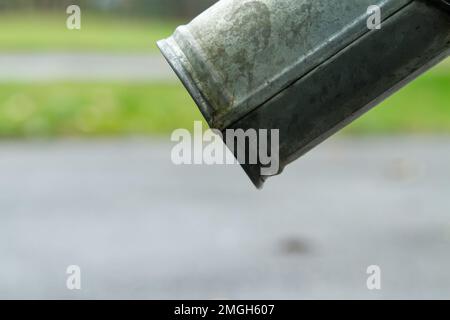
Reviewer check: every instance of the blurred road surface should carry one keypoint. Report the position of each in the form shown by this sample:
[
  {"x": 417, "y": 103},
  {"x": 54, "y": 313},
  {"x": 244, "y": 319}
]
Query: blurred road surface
[
  {"x": 93, "y": 67},
  {"x": 140, "y": 227},
  {"x": 84, "y": 66}
]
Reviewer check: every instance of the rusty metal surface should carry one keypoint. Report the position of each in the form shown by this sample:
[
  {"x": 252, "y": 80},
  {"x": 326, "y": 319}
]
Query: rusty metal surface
[
  {"x": 304, "y": 67},
  {"x": 352, "y": 82},
  {"x": 240, "y": 53}
]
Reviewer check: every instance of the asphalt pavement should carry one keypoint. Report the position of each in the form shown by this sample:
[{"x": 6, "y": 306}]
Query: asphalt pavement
[
  {"x": 63, "y": 66},
  {"x": 140, "y": 227},
  {"x": 42, "y": 67}
]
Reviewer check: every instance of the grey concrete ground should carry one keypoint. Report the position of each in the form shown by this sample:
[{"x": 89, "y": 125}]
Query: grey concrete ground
[
  {"x": 93, "y": 67},
  {"x": 83, "y": 66},
  {"x": 140, "y": 227}
]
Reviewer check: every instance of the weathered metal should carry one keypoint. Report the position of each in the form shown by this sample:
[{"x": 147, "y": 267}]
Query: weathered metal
[{"x": 305, "y": 67}]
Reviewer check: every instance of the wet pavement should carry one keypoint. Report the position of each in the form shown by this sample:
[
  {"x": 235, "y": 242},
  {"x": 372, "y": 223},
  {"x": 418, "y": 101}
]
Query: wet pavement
[
  {"x": 84, "y": 67},
  {"x": 140, "y": 227},
  {"x": 37, "y": 67}
]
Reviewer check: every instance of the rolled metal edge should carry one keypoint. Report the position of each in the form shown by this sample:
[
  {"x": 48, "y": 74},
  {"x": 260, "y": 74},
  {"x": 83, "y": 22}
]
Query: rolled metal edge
[{"x": 176, "y": 60}]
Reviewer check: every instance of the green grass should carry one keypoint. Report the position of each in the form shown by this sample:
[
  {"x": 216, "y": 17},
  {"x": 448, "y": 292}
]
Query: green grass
[
  {"x": 421, "y": 107},
  {"x": 86, "y": 109},
  {"x": 92, "y": 109},
  {"x": 23, "y": 32}
]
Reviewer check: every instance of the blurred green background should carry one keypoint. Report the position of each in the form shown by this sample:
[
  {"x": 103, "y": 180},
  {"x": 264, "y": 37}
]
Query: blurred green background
[{"x": 93, "y": 108}]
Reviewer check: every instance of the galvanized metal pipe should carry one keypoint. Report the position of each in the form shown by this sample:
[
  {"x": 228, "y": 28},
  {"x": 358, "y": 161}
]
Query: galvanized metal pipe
[{"x": 305, "y": 67}]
